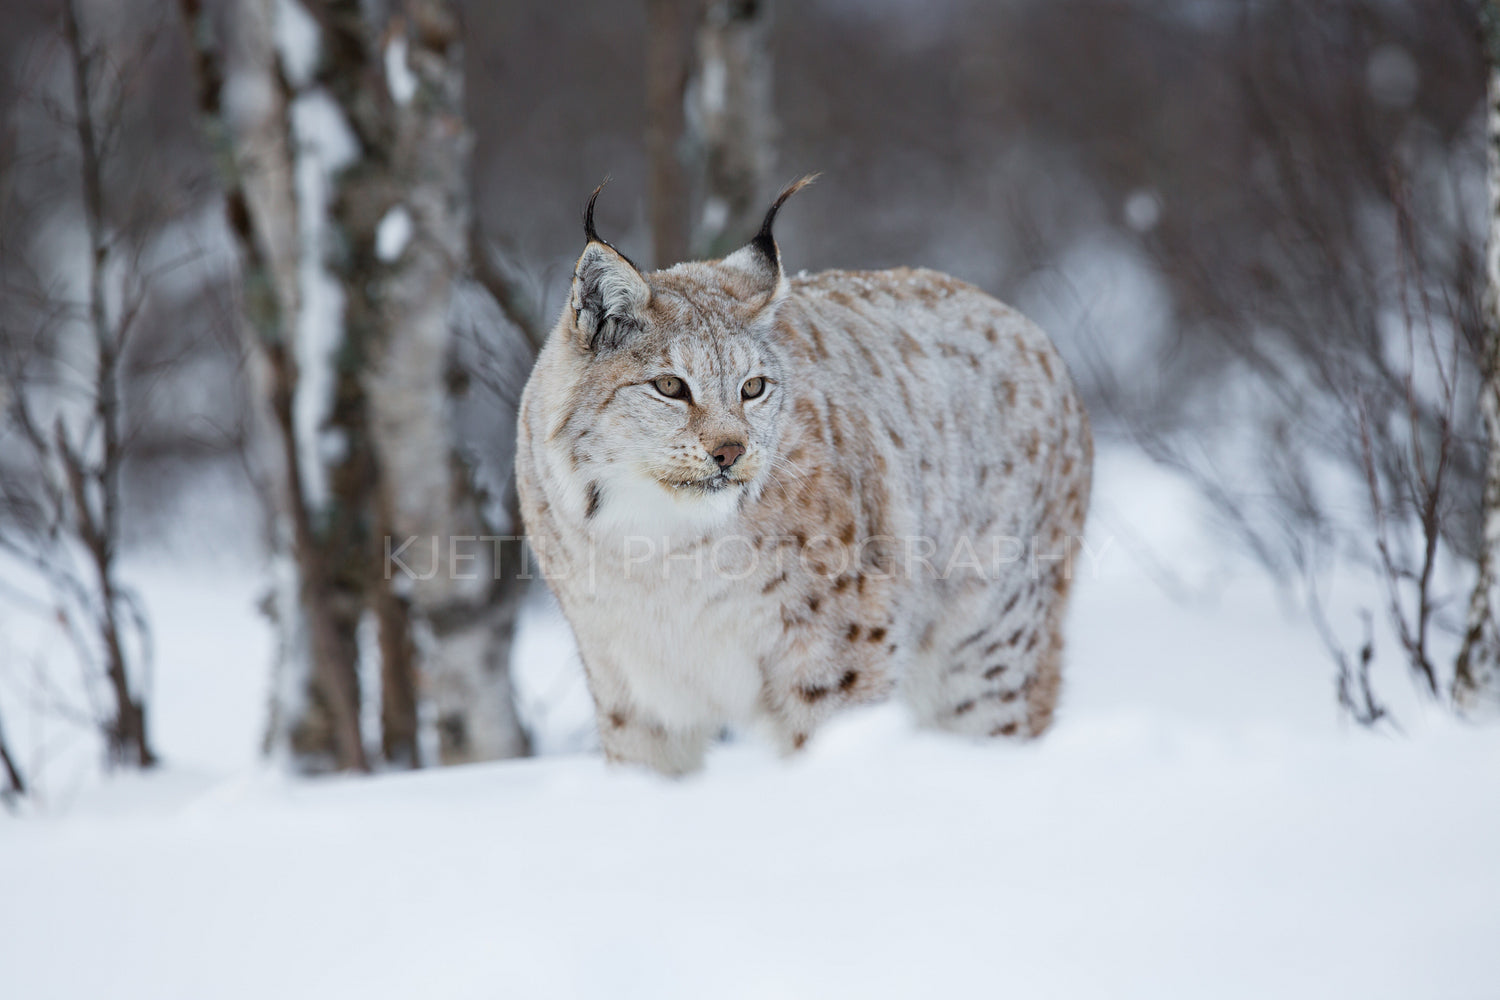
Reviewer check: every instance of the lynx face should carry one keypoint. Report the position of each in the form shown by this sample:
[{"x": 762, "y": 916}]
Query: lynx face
[
  {"x": 685, "y": 412},
  {"x": 677, "y": 386}
]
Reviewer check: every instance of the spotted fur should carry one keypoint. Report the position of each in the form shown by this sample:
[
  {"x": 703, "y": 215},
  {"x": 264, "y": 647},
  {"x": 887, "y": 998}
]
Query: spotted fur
[{"x": 906, "y": 513}]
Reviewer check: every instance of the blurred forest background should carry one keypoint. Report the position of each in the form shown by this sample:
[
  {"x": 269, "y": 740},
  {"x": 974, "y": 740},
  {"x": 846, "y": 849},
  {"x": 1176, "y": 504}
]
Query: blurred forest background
[{"x": 272, "y": 271}]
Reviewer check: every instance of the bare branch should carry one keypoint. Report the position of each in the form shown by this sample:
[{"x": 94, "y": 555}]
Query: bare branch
[{"x": 505, "y": 288}]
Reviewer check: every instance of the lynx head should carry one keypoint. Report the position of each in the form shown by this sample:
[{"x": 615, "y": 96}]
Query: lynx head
[{"x": 675, "y": 383}]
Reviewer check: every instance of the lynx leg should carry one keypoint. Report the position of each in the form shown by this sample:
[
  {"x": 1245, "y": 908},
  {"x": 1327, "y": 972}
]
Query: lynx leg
[
  {"x": 630, "y": 735},
  {"x": 798, "y": 697},
  {"x": 628, "y": 738},
  {"x": 1000, "y": 679}
]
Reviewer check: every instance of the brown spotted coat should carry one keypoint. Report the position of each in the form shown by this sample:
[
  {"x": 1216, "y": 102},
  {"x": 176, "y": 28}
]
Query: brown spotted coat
[{"x": 907, "y": 515}]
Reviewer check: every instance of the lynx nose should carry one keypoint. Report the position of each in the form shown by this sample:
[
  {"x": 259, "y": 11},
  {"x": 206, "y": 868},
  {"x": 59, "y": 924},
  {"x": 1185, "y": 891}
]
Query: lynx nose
[{"x": 726, "y": 453}]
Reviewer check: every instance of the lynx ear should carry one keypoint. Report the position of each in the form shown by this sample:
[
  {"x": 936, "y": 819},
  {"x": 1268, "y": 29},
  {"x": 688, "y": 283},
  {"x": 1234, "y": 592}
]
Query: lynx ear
[
  {"x": 760, "y": 259},
  {"x": 609, "y": 294}
]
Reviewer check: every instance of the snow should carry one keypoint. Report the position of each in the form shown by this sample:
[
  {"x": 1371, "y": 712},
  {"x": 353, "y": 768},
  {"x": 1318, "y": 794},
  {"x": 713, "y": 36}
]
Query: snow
[
  {"x": 1142, "y": 210},
  {"x": 1118, "y": 861},
  {"x": 1105, "y": 284},
  {"x": 298, "y": 42},
  {"x": 393, "y": 234},
  {"x": 715, "y": 84},
  {"x": 325, "y": 145},
  {"x": 398, "y": 75},
  {"x": 1199, "y": 823}
]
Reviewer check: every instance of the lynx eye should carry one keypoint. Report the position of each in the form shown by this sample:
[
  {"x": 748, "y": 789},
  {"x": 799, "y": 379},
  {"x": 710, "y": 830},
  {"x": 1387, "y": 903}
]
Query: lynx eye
[
  {"x": 753, "y": 387},
  {"x": 672, "y": 387}
]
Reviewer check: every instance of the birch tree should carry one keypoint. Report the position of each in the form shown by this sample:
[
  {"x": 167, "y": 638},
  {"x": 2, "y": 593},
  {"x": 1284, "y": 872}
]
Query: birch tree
[
  {"x": 668, "y": 40},
  {"x": 344, "y": 162},
  {"x": 710, "y": 124},
  {"x": 245, "y": 97},
  {"x": 402, "y": 221},
  {"x": 1477, "y": 671},
  {"x": 732, "y": 121}
]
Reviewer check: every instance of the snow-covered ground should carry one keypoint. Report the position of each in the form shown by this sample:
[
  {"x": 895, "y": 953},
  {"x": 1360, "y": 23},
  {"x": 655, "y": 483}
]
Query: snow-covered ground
[{"x": 1199, "y": 823}]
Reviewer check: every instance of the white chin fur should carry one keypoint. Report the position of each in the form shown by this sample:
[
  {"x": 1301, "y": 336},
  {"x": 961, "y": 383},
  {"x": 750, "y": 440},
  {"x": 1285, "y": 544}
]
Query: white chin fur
[{"x": 632, "y": 504}]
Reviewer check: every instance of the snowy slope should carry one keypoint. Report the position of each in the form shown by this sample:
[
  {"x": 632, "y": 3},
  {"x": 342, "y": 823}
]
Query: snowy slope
[
  {"x": 1198, "y": 824},
  {"x": 1113, "y": 862}
]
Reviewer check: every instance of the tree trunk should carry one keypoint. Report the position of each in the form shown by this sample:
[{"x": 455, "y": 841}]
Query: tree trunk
[
  {"x": 1476, "y": 682},
  {"x": 667, "y": 65},
  {"x": 315, "y": 710},
  {"x": 733, "y": 122},
  {"x": 380, "y": 465},
  {"x": 403, "y": 217}
]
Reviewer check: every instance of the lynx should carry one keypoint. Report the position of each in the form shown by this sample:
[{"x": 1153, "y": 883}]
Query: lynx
[{"x": 759, "y": 498}]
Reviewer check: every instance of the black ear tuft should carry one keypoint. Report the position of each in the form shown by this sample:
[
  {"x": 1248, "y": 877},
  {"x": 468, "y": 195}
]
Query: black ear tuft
[
  {"x": 591, "y": 235},
  {"x": 589, "y": 232},
  {"x": 764, "y": 241}
]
